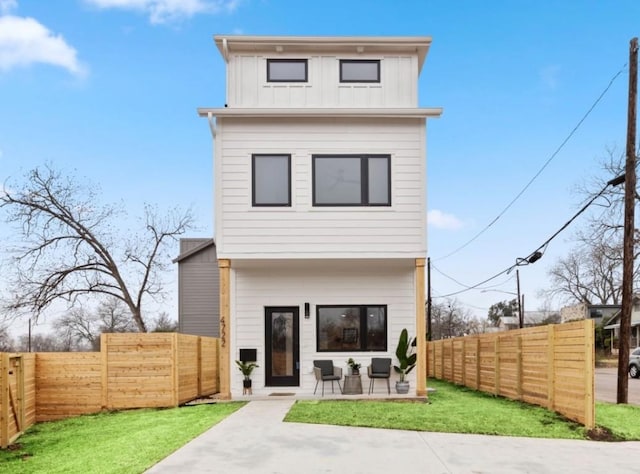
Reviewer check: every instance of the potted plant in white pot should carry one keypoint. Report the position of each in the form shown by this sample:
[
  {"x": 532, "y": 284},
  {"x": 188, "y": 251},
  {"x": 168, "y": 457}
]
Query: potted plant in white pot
[
  {"x": 246, "y": 368},
  {"x": 406, "y": 356}
]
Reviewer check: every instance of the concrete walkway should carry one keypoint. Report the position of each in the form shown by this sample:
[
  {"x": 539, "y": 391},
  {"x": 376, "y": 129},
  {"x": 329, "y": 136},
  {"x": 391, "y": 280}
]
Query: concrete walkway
[{"x": 255, "y": 440}]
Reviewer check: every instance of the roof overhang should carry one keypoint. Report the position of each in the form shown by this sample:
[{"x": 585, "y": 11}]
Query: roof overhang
[
  {"x": 418, "y": 45},
  {"x": 431, "y": 112},
  {"x": 204, "y": 245}
]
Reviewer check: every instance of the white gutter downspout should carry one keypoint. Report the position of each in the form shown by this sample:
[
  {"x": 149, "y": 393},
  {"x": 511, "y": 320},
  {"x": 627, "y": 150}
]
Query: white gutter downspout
[
  {"x": 225, "y": 50},
  {"x": 212, "y": 124}
]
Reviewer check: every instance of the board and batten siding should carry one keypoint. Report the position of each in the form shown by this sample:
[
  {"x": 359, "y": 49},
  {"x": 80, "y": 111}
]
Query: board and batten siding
[
  {"x": 259, "y": 284},
  {"x": 198, "y": 293},
  {"x": 247, "y": 84},
  {"x": 305, "y": 231}
]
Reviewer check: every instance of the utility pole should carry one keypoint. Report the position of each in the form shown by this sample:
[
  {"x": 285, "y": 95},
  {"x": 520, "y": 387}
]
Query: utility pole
[
  {"x": 520, "y": 314},
  {"x": 428, "y": 298},
  {"x": 629, "y": 227}
]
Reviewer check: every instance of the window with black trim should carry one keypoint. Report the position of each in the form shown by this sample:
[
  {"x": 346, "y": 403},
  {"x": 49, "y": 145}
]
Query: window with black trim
[
  {"x": 351, "y": 180},
  {"x": 271, "y": 180},
  {"x": 351, "y": 328},
  {"x": 359, "y": 70},
  {"x": 287, "y": 70}
]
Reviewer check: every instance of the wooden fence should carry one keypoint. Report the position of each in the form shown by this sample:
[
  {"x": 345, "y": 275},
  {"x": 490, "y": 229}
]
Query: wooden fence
[
  {"x": 551, "y": 366},
  {"x": 131, "y": 371}
]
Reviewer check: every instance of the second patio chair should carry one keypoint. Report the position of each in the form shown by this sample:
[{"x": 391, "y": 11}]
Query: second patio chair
[
  {"x": 325, "y": 371},
  {"x": 380, "y": 368}
]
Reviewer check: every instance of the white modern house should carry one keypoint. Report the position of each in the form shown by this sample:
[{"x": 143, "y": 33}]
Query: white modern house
[{"x": 320, "y": 205}]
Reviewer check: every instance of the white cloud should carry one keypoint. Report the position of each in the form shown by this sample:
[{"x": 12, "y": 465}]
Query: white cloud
[
  {"x": 165, "y": 11},
  {"x": 25, "y": 41},
  {"x": 7, "y": 5},
  {"x": 442, "y": 220}
]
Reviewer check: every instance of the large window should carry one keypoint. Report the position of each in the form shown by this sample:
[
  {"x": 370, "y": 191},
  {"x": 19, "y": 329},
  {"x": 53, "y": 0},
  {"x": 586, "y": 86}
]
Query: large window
[
  {"x": 359, "y": 70},
  {"x": 271, "y": 178},
  {"x": 351, "y": 180},
  {"x": 286, "y": 70},
  {"x": 351, "y": 328}
]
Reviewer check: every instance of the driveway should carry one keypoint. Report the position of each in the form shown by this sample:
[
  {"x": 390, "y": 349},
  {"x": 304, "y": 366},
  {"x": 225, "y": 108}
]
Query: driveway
[
  {"x": 607, "y": 386},
  {"x": 255, "y": 440}
]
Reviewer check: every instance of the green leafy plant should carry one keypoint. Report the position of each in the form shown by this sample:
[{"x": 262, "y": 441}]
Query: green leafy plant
[
  {"x": 353, "y": 364},
  {"x": 405, "y": 354},
  {"x": 246, "y": 368}
]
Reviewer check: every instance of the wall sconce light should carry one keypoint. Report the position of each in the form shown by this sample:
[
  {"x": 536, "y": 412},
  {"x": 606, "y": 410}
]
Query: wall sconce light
[{"x": 307, "y": 311}]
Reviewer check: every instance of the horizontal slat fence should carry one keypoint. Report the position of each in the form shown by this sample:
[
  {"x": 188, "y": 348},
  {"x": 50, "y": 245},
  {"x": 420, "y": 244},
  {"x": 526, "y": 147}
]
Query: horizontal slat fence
[
  {"x": 551, "y": 366},
  {"x": 132, "y": 370}
]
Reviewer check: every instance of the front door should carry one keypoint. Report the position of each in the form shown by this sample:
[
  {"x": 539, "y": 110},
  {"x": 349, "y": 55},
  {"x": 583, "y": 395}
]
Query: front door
[{"x": 282, "y": 354}]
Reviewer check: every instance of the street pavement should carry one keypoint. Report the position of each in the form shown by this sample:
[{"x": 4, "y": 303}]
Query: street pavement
[
  {"x": 256, "y": 440},
  {"x": 606, "y": 381}
]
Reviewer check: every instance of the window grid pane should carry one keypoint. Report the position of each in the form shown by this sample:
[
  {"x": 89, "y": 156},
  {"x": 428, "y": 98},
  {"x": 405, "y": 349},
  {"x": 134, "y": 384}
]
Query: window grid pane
[
  {"x": 271, "y": 180},
  {"x": 338, "y": 180},
  {"x": 286, "y": 70},
  {"x": 378, "y": 181},
  {"x": 359, "y": 70}
]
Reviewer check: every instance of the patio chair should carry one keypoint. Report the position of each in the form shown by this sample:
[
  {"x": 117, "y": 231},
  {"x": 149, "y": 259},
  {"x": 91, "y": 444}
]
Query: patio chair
[
  {"x": 325, "y": 371},
  {"x": 380, "y": 368}
]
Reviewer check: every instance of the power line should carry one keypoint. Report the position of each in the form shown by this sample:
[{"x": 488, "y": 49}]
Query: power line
[
  {"x": 553, "y": 155},
  {"x": 537, "y": 253}
]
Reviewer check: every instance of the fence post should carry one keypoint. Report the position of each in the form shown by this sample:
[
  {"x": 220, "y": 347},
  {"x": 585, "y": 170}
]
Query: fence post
[
  {"x": 519, "y": 366},
  {"x": 175, "y": 376},
  {"x": 4, "y": 400},
  {"x": 551, "y": 376},
  {"x": 589, "y": 354},
  {"x": 442, "y": 359},
  {"x": 496, "y": 364},
  {"x": 477, "y": 362},
  {"x": 199, "y": 364},
  {"x": 464, "y": 363},
  {"x": 104, "y": 369}
]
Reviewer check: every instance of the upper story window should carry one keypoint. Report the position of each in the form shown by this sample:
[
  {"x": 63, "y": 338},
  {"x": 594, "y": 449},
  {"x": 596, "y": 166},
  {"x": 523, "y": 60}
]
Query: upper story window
[
  {"x": 359, "y": 70},
  {"x": 287, "y": 70},
  {"x": 271, "y": 180},
  {"x": 351, "y": 180}
]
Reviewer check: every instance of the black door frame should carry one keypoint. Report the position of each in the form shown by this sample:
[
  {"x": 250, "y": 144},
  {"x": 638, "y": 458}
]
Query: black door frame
[{"x": 279, "y": 381}]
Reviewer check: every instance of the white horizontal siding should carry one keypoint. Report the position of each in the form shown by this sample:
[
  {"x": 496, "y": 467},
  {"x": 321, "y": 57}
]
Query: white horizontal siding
[
  {"x": 248, "y": 87},
  {"x": 258, "y": 284},
  {"x": 302, "y": 230}
]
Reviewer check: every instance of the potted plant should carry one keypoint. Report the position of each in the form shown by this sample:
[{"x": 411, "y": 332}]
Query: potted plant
[
  {"x": 406, "y": 356},
  {"x": 246, "y": 368},
  {"x": 355, "y": 366}
]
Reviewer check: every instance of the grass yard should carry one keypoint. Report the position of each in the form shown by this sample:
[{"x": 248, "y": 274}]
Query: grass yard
[
  {"x": 455, "y": 409},
  {"x": 119, "y": 442}
]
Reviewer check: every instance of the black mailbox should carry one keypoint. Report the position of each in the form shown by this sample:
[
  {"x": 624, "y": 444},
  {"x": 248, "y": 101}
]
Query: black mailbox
[{"x": 248, "y": 355}]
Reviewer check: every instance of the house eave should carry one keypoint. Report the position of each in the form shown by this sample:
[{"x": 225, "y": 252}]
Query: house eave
[
  {"x": 425, "y": 112},
  {"x": 194, "y": 251},
  {"x": 355, "y": 45}
]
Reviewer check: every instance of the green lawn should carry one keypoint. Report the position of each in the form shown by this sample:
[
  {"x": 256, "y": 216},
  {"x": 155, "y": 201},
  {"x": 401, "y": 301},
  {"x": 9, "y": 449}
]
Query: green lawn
[
  {"x": 119, "y": 442},
  {"x": 455, "y": 409}
]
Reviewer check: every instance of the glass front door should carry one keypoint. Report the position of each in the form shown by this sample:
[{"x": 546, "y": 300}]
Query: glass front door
[{"x": 282, "y": 354}]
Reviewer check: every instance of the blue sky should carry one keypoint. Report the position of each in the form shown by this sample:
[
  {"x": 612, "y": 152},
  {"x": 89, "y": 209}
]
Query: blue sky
[{"x": 110, "y": 88}]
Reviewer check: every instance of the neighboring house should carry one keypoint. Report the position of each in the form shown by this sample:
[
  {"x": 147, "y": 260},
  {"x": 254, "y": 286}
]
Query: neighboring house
[
  {"x": 198, "y": 288},
  {"x": 320, "y": 205},
  {"x": 613, "y": 325},
  {"x": 597, "y": 312},
  {"x": 531, "y": 318}
]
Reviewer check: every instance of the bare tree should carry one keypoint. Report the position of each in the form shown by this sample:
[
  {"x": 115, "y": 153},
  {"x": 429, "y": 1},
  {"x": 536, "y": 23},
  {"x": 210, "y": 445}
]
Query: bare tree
[
  {"x": 71, "y": 246},
  {"x": 592, "y": 272},
  {"x": 164, "y": 323},
  {"x": 84, "y": 327},
  {"x": 6, "y": 342},
  {"x": 450, "y": 319}
]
